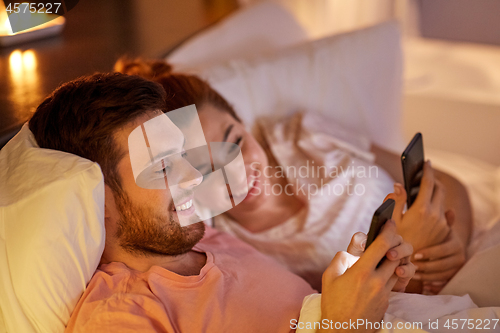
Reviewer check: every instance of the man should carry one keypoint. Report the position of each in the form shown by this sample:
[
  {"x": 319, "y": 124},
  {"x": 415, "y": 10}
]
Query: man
[{"x": 156, "y": 276}]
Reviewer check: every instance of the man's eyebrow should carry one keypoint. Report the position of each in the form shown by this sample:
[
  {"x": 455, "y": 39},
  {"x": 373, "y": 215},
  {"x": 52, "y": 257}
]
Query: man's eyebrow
[
  {"x": 226, "y": 134},
  {"x": 164, "y": 154}
]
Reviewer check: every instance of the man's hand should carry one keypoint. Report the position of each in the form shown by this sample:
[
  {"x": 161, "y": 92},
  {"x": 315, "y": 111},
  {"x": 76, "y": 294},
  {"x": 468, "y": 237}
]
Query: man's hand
[
  {"x": 362, "y": 290},
  {"x": 424, "y": 224},
  {"x": 404, "y": 271},
  {"x": 436, "y": 265}
]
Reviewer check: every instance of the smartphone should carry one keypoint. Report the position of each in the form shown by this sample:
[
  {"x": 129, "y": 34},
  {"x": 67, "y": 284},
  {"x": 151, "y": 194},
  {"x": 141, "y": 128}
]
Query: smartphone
[
  {"x": 382, "y": 214},
  {"x": 412, "y": 160}
]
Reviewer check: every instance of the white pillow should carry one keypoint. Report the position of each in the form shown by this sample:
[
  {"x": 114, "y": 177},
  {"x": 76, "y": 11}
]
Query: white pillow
[
  {"x": 354, "y": 78},
  {"x": 263, "y": 27},
  {"x": 51, "y": 233}
]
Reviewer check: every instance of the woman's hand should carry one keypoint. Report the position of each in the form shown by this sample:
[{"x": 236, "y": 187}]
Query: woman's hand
[
  {"x": 437, "y": 264},
  {"x": 424, "y": 224},
  {"x": 356, "y": 288}
]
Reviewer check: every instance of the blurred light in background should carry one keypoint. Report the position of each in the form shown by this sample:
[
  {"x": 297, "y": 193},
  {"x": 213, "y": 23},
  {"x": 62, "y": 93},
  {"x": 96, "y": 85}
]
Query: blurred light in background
[
  {"x": 22, "y": 64},
  {"x": 24, "y": 80},
  {"x": 16, "y": 61}
]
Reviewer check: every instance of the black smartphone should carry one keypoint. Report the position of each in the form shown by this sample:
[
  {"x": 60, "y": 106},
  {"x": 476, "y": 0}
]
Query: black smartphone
[
  {"x": 382, "y": 214},
  {"x": 412, "y": 160}
]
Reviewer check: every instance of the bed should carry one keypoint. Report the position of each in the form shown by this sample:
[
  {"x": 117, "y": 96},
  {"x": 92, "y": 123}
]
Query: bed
[{"x": 261, "y": 64}]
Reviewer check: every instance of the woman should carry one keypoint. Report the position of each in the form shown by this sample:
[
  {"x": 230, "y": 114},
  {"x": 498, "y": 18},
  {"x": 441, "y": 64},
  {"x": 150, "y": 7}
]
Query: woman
[{"x": 303, "y": 219}]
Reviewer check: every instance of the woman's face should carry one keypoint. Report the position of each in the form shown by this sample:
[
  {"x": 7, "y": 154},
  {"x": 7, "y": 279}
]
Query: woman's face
[{"x": 220, "y": 126}]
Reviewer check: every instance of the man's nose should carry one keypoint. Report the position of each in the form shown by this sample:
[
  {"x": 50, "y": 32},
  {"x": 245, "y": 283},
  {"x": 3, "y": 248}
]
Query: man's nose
[{"x": 191, "y": 176}]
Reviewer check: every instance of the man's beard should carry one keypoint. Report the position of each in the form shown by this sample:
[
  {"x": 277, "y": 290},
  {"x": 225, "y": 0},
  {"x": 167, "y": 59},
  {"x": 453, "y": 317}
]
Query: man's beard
[{"x": 144, "y": 231}]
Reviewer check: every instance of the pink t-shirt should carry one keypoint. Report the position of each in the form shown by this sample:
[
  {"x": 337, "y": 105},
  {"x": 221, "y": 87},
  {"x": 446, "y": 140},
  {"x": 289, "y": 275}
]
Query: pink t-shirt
[{"x": 238, "y": 290}]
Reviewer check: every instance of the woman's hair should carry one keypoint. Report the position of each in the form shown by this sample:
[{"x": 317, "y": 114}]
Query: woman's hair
[{"x": 181, "y": 89}]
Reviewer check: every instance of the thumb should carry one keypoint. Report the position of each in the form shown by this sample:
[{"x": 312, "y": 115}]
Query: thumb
[
  {"x": 399, "y": 196},
  {"x": 357, "y": 245}
]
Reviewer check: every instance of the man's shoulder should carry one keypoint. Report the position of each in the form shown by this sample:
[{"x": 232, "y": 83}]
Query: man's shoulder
[
  {"x": 114, "y": 301},
  {"x": 108, "y": 280},
  {"x": 117, "y": 312}
]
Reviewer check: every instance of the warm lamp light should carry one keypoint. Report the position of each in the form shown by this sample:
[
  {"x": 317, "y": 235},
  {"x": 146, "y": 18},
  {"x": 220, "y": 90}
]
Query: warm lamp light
[
  {"x": 24, "y": 77},
  {"x": 16, "y": 60},
  {"x": 50, "y": 28},
  {"x": 22, "y": 63},
  {"x": 29, "y": 60}
]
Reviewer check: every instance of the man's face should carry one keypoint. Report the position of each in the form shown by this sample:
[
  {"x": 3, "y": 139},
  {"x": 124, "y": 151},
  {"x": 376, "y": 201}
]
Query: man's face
[{"x": 146, "y": 221}]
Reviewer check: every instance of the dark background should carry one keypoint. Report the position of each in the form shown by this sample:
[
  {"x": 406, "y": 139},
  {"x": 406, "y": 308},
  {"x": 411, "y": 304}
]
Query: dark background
[{"x": 96, "y": 34}]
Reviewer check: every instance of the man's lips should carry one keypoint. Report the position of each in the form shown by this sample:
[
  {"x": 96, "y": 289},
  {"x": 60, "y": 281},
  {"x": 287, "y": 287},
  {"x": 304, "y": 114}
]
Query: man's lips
[{"x": 184, "y": 206}]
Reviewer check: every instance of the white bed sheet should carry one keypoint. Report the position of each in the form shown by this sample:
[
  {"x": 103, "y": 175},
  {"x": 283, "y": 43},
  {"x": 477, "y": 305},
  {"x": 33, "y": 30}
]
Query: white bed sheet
[{"x": 420, "y": 312}]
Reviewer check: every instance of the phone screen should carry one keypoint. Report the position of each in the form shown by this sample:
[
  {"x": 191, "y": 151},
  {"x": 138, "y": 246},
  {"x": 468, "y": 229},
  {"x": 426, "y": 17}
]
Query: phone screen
[
  {"x": 412, "y": 160},
  {"x": 382, "y": 214}
]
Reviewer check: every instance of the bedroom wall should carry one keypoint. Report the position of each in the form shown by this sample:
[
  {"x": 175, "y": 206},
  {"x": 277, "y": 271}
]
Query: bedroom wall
[{"x": 464, "y": 20}]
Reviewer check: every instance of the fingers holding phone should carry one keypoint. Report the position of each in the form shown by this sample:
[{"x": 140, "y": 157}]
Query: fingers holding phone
[
  {"x": 396, "y": 249},
  {"x": 362, "y": 291}
]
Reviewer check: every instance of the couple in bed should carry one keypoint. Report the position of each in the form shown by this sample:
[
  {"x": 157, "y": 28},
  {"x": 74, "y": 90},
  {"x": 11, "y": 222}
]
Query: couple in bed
[
  {"x": 314, "y": 184},
  {"x": 158, "y": 276}
]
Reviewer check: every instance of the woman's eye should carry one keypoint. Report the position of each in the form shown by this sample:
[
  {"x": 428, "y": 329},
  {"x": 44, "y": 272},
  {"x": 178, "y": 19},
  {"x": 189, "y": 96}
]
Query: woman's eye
[{"x": 237, "y": 142}]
